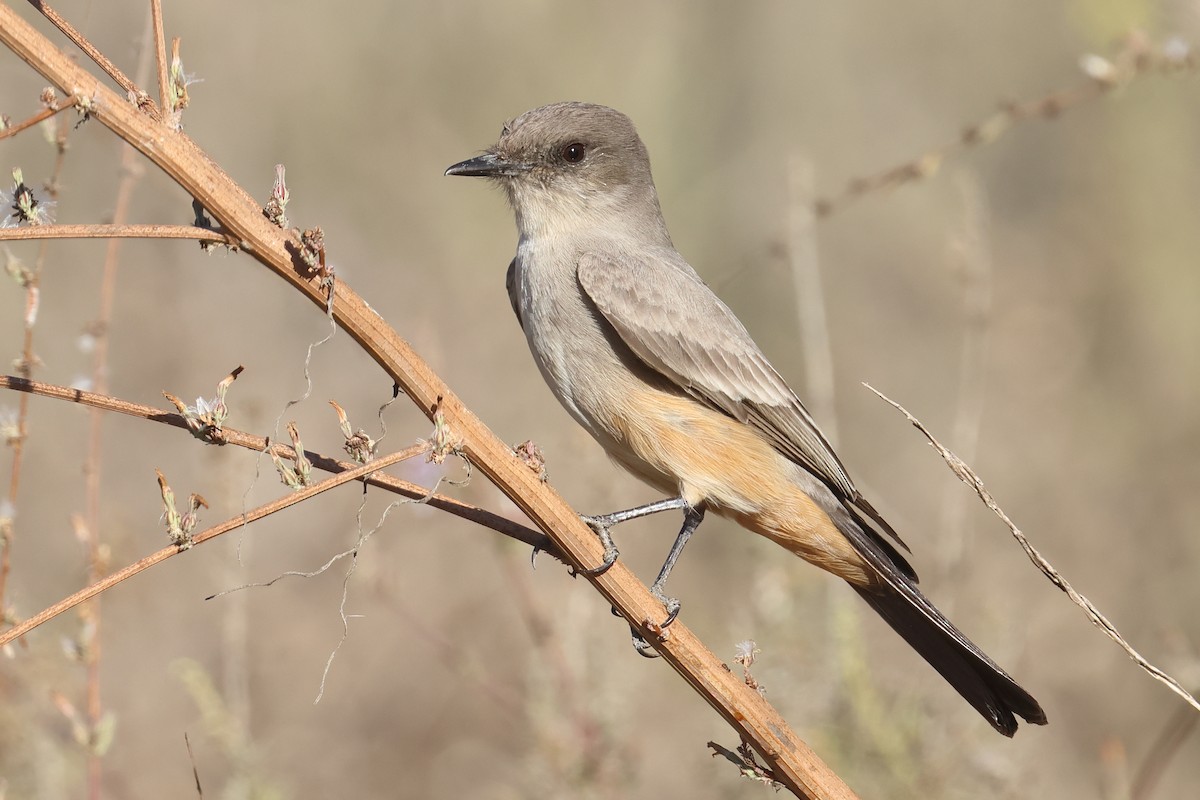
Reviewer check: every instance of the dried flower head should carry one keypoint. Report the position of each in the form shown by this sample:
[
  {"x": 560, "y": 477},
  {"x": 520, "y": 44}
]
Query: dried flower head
[
  {"x": 276, "y": 208},
  {"x": 26, "y": 209}
]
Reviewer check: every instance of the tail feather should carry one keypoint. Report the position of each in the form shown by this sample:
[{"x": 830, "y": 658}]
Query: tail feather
[{"x": 976, "y": 677}]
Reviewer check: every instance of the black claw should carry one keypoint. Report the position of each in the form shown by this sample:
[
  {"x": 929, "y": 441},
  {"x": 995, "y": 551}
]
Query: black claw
[
  {"x": 670, "y": 603},
  {"x": 611, "y": 554},
  {"x": 610, "y": 558},
  {"x": 640, "y": 644},
  {"x": 672, "y": 612},
  {"x": 642, "y": 647}
]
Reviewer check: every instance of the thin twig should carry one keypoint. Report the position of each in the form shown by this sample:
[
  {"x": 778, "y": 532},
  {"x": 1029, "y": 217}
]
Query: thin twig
[
  {"x": 160, "y": 57},
  {"x": 118, "y": 232},
  {"x": 25, "y": 366},
  {"x": 967, "y": 476},
  {"x": 228, "y": 525},
  {"x": 88, "y": 48},
  {"x": 1137, "y": 57},
  {"x": 96, "y": 562},
  {"x": 195, "y": 769},
  {"x": 44, "y": 114},
  {"x": 479, "y": 516}
]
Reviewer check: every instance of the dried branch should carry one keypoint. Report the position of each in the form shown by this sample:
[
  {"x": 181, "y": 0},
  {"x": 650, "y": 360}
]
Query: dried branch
[
  {"x": 93, "y": 463},
  {"x": 228, "y": 525},
  {"x": 110, "y": 69},
  {"x": 30, "y": 280},
  {"x": 790, "y": 759},
  {"x": 1136, "y": 58},
  {"x": 119, "y": 232},
  {"x": 41, "y": 116},
  {"x": 249, "y": 441},
  {"x": 160, "y": 56},
  {"x": 967, "y": 476}
]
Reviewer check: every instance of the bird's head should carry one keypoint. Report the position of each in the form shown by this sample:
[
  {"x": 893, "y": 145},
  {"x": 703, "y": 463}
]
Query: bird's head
[{"x": 567, "y": 164}]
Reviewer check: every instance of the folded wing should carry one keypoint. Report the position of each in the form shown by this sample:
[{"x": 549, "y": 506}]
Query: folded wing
[{"x": 674, "y": 323}]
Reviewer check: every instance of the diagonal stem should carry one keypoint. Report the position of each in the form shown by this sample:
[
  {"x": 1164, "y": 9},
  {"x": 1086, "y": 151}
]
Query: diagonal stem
[
  {"x": 234, "y": 523},
  {"x": 160, "y": 57},
  {"x": 479, "y": 516},
  {"x": 110, "y": 69},
  {"x": 791, "y": 760}
]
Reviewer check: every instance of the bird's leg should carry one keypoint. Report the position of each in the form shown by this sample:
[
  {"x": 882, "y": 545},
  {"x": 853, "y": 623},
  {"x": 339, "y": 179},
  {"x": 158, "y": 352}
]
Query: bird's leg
[
  {"x": 602, "y": 524},
  {"x": 692, "y": 517}
]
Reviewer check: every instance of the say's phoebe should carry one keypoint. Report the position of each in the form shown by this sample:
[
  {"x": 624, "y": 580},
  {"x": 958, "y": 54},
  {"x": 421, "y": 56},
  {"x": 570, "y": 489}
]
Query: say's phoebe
[{"x": 645, "y": 357}]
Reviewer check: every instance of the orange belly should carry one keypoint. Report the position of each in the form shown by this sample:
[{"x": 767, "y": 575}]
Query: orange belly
[{"x": 680, "y": 446}]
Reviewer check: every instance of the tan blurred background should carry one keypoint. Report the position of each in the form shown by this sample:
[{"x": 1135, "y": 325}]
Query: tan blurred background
[{"x": 466, "y": 674}]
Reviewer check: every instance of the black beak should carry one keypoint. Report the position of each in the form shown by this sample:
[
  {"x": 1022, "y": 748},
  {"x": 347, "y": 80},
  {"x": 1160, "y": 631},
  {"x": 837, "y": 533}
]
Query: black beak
[{"x": 488, "y": 165}]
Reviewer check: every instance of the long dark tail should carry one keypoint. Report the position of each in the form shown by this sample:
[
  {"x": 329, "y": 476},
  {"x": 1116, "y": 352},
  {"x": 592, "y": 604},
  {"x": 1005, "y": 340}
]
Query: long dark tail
[{"x": 968, "y": 669}]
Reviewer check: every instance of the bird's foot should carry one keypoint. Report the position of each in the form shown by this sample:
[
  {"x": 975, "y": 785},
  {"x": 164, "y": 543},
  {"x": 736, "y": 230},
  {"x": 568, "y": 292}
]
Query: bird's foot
[
  {"x": 601, "y": 525},
  {"x": 658, "y": 629},
  {"x": 643, "y": 648},
  {"x": 670, "y": 603}
]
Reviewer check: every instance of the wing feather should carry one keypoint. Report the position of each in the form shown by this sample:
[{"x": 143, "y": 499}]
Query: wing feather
[
  {"x": 674, "y": 323},
  {"x": 510, "y": 284}
]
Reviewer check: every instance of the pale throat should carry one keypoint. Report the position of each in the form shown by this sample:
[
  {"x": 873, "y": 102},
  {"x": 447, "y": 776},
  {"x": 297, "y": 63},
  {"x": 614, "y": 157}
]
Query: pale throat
[{"x": 543, "y": 212}]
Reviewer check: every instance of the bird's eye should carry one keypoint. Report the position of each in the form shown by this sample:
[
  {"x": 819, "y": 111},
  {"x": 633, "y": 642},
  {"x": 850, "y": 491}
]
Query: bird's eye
[{"x": 574, "y": 152}]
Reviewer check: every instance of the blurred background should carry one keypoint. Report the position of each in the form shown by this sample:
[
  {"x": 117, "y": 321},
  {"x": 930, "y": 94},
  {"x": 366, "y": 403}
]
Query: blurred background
[{"x": 1036, "y": 303}]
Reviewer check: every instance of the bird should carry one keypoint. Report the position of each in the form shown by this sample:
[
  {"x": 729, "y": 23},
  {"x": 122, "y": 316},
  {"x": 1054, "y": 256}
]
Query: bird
[{"x": 646, "y": 357}]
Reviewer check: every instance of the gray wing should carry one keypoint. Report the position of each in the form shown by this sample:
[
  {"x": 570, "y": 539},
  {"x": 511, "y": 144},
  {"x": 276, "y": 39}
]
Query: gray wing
[
  {"x": 510, "y": 283},
  {"x": 673, "y": 322}
]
